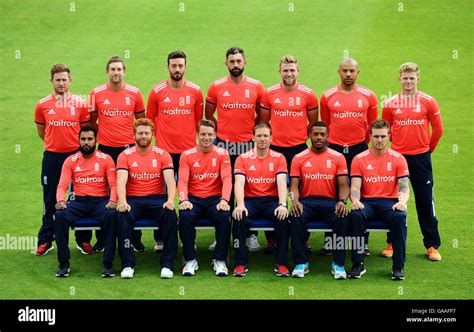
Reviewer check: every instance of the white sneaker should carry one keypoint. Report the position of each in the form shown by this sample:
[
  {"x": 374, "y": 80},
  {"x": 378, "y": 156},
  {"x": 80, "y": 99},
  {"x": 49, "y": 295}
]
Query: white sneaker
[
  {"x": 166, "y": 273},
  {"x": 213, "y": 246},
  {"x": 252, "y": 243},
  {"x": 190, "y": 268},
  {"x": 127, "y": 273},
  {"x": 158, "y": 246},
  {"x": 220, "y": 268}
]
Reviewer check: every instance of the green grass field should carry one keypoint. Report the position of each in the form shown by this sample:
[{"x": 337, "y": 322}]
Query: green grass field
[{"x": 379, "y": 34}]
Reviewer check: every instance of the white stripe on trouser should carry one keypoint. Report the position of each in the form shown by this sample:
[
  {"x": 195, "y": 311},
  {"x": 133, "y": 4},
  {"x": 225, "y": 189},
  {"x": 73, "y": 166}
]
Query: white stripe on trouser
[{"x": 432, "y": 201}]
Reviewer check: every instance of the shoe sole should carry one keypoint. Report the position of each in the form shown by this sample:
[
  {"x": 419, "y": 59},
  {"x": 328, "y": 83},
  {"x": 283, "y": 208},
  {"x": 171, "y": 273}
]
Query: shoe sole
[
  {"x": 299, "y": 275},
  {"x": 386, "y": 255},
  {"x": 82, "y": 250},
  {"x": 166, "y": 277},
  {"x": 281, "y": 274},
  {"x": 240, "y": 274},
  {"x": 222, "y": 274},
  {"x": 398, "y": 278},
  {"x": 97, "y": 251},
  {"x": 136, "y": 250},
  {"x": 46, "y": 252},
  {"x": 434, "y": 259},
  {"x": 126, "y": 277},
  {"x": 341, "y": 276},
  {"x": 63, "y": 275},
  {"x": 357, "y": 277},
  {"x": 108, "y": 275}
]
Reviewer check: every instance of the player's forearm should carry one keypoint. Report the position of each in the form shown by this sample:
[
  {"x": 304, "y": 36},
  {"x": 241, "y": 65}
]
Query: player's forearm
[
  {"x": 282, "y": 189},
  {"x": 113, "y": 193},
  {"x": 403, "y": 190},
  {"x": 239, "y": 194},
  {"x": 121, "y": 190},
  {"x": 355, "y": 195},
  {"x": 226, "y": 188},
  {"x": 436, "y": 134},
  {"x": 170, "y": 188},
  {"x": 60, "y": 194},
  {"x": 294, "y": 188},
  {"x": 344, "y": 193},
  {"x": 403, "y": 198},
  {"x": 182, "y": 190}
]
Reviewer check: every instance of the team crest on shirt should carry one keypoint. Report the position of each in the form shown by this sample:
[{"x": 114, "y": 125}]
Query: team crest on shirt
[
  {"x": 308, "y": 164},
  {"x": 389, "y": 166},
  {"x": 127, "y": 100},
  {"x": 188, "y": 100},
  {"x": 73, "y": 111},
  {"x": 135, "y": 164},
  {"x": 359, "y": 103},
  {"x": 247, "y": 93},
  {"x": 214, "y": 162},
  {"x": 298, "y": 101},
  {"x": 328, "y": 163},
  {"x": 418, "y": 108},
  {"x": 96, "y": 167},
  {"x": 270, "y": 167},
  {"x": 154, "y": 163},
  {"x": 252, "y": 168}
]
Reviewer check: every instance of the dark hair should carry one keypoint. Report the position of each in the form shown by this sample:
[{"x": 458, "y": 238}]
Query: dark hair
[
  {"x": 113, "y": 59},
  {"x": 176, "y": 55},
  {"x": 59, "y": 68},
  {"x": 379, "y": 124},
  {"x": 206, "y": 123},
  {"x": 317, "y": 124},
  {"x": 262, "y": 124},
  {"x": 88, "y": 128},
  {"x": 234, "y": 50}
]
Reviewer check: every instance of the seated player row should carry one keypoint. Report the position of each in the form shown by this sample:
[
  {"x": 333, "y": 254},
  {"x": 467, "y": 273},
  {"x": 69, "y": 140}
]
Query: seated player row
[{"x": 144, "y": 187}]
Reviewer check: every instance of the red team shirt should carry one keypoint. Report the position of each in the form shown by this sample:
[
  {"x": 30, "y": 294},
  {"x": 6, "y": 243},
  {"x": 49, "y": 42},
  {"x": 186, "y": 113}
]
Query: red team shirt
[
  {"x": 410, "y": 121},
  {"x": 289, "y": 117},
  {"x": 145, "y": 171},
  {"x": 379, "y": 174},
  {"x": 318, "y": 172},
  {"x": 91, "y": 177},
  {"x": 176, "y": 114},
  {"x": 62, "y": 120},
  {"x": 260, "y": 174},
  {"x": 236, "y": 107},
  {"x": 116, "y": 111},
  {"x": 348, "y": 115},
  {"x": 205, "y": 174}
]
